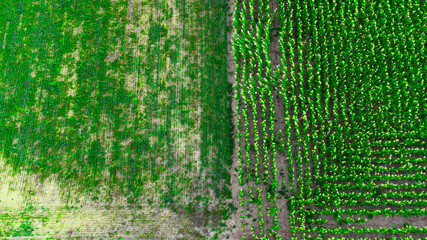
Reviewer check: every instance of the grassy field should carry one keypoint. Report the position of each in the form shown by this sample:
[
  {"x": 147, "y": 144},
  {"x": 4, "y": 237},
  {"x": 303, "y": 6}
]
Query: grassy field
[{"x": 113, "y": 100}]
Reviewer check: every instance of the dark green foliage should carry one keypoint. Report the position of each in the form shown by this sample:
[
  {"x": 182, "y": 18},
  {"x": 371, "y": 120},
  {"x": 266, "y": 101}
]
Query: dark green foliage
[
  {"x": 232, "y": 207},
  {"x": 225, "y": 212},
  {"x": 309, "y": 215},
  {"x": 157, "y": 30},
  {"x": 337, "y": 216},
  {"x": 226, "y": 192},
  {"x": 173, "y": 54},
  {"x": 123, "y": 96},
  {"x": 154, "y": 173},
  {"x": 6, "y": 136},
  {"x": 193, "y": 71},
  {"x": 62, "y": 111},
  {"x": 251, "y": 147},
  {"x": 140, "y": 145},
  {"x": 221, "y": 173},
  {"x": 253, "y": 198},
  {"x": 166, "y": 45},
  {"x": 290, "y": 205},
  {"x": 270, "y": 189},
  {"x": 96, "y": 155},
  {"x": 376, "y": 193},
  {"x": 104, "y": 86},
  {"x": 311, "y": 218},
  {"x": 131, "y": 201}
]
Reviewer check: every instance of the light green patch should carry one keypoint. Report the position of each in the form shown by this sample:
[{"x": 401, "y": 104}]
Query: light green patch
[{"x": 49, "y": 215}]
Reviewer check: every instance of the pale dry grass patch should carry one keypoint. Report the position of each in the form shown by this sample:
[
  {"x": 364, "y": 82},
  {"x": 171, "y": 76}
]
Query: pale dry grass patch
[{"x": 85, "y": 216}]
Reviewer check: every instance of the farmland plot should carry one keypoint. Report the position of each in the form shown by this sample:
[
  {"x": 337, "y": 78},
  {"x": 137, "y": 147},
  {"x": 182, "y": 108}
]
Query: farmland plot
[{"x": 121, "y": 107}]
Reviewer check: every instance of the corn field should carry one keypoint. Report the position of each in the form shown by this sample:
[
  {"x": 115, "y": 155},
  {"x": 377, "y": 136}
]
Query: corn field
[{"x": 350, "y": 89}]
